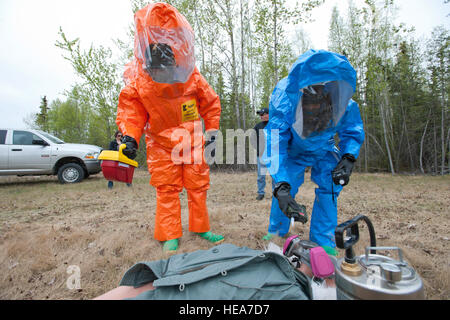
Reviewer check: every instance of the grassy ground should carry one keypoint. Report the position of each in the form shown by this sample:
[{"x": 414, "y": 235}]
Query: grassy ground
[{"x": 46, "y": 227}]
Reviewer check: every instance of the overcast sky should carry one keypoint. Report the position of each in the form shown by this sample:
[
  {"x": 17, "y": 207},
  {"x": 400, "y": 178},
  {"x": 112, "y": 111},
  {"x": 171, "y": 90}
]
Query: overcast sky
[{"x": 31, "y": 66}]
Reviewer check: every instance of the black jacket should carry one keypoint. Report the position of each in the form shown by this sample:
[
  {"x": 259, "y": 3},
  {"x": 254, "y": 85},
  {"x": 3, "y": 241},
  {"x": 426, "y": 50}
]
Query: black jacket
[
  {"x": 113, "y": 145},
  {"x": 260, "y": 126}
]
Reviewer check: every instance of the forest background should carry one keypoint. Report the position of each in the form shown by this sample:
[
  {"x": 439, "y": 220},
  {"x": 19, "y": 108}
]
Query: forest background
[{"x": 243, "y": 50}]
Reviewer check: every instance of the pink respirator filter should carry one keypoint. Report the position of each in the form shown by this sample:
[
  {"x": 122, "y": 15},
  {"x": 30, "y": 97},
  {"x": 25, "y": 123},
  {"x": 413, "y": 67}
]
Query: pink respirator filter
[{"x": 321, "y": 264}]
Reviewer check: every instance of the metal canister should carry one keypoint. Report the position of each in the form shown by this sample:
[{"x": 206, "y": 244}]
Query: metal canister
[{"x": 377, "y": 277}]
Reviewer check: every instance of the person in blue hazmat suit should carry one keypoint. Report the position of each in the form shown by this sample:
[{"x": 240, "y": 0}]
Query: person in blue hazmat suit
[{"x": 307, "y": 109}]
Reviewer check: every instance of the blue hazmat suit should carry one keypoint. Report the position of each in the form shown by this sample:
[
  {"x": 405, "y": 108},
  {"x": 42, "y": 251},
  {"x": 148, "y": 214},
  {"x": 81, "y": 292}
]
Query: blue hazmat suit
[{"x": 290, "y": 147}]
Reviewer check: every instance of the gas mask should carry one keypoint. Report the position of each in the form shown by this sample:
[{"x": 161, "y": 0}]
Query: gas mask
[
  {"x": 321, "y": 106},
  {"x": 166, "y": 55},
  {"x": 317, "y": 110},
  {"x": 160, "y": 63}
]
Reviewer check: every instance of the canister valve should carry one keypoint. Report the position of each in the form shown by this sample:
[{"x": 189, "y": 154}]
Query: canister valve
[{"x": 350, "y": 227}]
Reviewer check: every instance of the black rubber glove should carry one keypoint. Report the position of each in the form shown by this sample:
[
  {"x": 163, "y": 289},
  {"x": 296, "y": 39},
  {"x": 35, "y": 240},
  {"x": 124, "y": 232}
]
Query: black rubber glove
[
  {"x": 131, "y": 150},
  {"x": 210, "y": 146},
  {"x": 212, "y": 143},
  {"x": 287, "y": 204},
  {"x": 341, "y": 174}
]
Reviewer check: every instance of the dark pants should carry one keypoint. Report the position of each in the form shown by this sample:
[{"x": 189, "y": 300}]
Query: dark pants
[{"x": 111, "y": 184}]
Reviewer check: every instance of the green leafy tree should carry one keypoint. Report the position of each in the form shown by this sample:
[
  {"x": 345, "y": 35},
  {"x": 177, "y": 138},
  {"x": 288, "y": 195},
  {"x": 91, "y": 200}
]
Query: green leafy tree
[
  {"x": 41, "y": 118},
  {"x": 407, "y": 89},
  {"x": 438, "y": 54},
  {"x": 67, "y": 120},
  {"x": 100, "y": 83}
]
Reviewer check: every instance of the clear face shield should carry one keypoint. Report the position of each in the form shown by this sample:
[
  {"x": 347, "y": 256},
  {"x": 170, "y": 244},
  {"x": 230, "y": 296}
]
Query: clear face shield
[
  {"x": 321, "y": 107},
  {"x": 167, "y": 55}
]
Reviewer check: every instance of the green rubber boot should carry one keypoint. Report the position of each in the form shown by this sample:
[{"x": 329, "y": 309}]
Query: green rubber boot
[
  {"x": 268, "y": 236},
  {"x": 170, "y": 246},
  {"x": 211, "y": 237},
  {"x": 330, "y": 251}
]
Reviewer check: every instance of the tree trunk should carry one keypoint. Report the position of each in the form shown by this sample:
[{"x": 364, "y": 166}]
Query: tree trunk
[
  {"x": 199, "y": 28},
  {"x": 399, "y": 151},
  {"x": 442, "y": 135},
  {"x": 421, "y": 144},
  {"x": 383, "y": 123},
  {"x": 447, "y": 143},
  {"x": 230, "y": 30},
  {"x": 251, "y": 78},
  {"x": 436, "y": 169},
  {"x": 242, "y": 94},
  {"x": 411, "y": 159},
  {"x": 275, "y": 43},
  {"x": 408, "y": 144},
  {"x": 234, "y": 80}
]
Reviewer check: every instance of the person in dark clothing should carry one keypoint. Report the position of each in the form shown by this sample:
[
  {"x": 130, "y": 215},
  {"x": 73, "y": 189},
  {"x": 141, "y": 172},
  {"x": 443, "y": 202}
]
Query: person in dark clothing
[
  {"x": 114, "y": 145},
  {"x": 259, "y": 137}
]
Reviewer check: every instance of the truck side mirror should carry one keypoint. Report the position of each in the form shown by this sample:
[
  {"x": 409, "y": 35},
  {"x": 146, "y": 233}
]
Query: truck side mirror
[{"x": 40, "y": 143}]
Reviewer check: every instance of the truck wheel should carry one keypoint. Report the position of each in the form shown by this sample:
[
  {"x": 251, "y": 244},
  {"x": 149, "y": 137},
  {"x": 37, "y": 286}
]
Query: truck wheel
[{"x": 70, "y": 173}]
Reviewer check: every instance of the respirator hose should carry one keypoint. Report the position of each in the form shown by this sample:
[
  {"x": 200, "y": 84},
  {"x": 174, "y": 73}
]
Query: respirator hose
[{"x": 373, "y": 240}]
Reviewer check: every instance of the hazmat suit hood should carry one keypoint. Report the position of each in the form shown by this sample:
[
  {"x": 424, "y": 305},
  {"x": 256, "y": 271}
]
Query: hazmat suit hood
[
  {"x": 286, "y": 133},
  {"x": 324, "y": 79},
  {"x": 164, "y": 44}
]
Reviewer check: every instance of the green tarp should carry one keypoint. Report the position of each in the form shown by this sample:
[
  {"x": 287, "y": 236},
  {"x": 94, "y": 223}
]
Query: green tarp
[{"x": 224, "y": 272}]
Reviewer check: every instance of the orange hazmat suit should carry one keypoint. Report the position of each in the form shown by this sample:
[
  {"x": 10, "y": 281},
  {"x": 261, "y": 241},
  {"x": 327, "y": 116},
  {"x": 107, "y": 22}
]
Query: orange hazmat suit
[{"x": 166, "y": 97}]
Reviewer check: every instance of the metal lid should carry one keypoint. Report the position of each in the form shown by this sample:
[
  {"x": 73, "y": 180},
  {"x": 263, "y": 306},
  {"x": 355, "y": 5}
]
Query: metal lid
[
  {"x": 382, "y": 278},
  {"x": 389, "y": 268},
  {"x": 391, "y": 272}
]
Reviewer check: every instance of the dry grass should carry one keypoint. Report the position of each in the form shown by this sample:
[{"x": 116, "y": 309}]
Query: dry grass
[{"x": 46, "y": 227}]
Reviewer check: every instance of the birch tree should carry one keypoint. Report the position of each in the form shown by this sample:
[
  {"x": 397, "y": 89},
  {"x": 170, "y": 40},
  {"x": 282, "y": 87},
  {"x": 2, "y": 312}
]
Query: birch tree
[{"x": 439, "y": 67}]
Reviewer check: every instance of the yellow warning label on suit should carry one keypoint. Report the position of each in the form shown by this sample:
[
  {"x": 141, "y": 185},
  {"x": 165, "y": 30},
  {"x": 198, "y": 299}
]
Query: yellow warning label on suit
[{"x": 189, "y": 110}]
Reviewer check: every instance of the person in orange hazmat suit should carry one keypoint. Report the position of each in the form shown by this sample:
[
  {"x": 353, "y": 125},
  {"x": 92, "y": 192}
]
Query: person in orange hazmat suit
[{"x": 165, "y": 97}]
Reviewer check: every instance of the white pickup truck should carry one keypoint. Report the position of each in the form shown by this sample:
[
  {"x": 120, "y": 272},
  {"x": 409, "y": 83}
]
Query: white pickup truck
[{"x": 34, "y": 152}]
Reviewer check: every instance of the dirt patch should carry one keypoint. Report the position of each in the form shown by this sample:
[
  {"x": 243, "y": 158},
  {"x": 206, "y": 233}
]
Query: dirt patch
[{"x": 46, "y": 227}]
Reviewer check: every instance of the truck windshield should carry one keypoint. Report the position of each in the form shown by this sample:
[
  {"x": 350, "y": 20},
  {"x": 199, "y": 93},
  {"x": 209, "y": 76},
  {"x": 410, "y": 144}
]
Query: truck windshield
[{"x": 51, "y": 138}]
